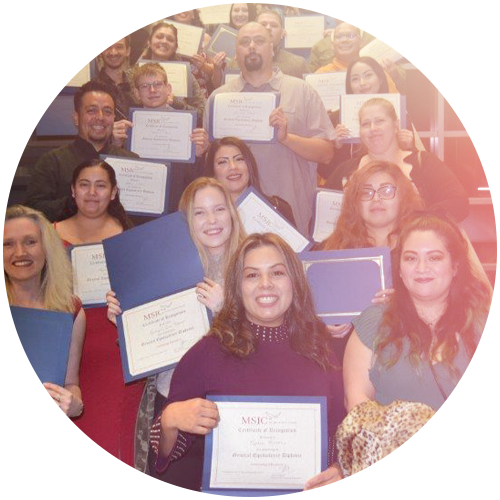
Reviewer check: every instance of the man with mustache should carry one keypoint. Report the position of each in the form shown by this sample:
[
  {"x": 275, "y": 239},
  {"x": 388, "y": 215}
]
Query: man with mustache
[{"x": 287, "y": 168}]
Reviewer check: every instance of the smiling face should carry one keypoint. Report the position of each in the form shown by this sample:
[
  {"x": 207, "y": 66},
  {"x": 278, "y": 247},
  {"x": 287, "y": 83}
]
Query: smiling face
[
  {"x": 116, "y": 56},
  {"x": 93, "y": 192},
  {"x": 426, "y": 267},
  {"x": 378, "y": 131},
  {"x": 364, "y": 80},
  {"x": 239, "y": 14},
  {"x": 231, "y": 169},
  {"x": 346, "y": 42},
  {"x": 153, "y": 91},
  {"x": 254, "y": 50},
  {"x": 184, "y": 17},
  {"x": 266, "y": 286},
  {"x": 163, "y": 44},
  {"x": 211, "y": 219},
  {"x": 23, "y": 253}
]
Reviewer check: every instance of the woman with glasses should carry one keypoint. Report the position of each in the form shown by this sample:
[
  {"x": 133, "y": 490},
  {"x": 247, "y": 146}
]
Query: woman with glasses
[
  {"x": 436, "y": 183},
  {"x": 378, "y": 199}
]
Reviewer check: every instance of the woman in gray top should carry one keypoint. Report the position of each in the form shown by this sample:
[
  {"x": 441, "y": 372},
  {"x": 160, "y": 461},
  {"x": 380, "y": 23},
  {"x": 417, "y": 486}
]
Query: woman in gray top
[{"x": 417, "y": 347}]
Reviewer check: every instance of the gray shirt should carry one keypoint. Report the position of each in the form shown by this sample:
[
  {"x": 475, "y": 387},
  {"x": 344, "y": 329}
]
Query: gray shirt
[{"x": 282, "y": 172}]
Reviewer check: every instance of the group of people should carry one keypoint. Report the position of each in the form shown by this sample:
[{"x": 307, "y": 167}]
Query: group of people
[{"x": 413, "y": 343}]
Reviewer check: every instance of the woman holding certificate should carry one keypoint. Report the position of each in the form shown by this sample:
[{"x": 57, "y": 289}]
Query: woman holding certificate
[
  {"x": 418, "y": 346},
  {"x": 265, "y": 341},
  {"x": 94, "y": 212},
  {"x": 436, "y": 183},
  {"x": 37, "y": 275}
]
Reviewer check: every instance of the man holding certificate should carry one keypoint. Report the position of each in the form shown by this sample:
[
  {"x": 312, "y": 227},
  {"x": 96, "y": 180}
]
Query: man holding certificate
[
  {"x": 266, "y": 342},
  {"x": 287, "y": 167}
]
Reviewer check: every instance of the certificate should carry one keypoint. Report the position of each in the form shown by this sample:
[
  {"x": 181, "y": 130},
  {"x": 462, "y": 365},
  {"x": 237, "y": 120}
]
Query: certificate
[
  {"x": 189, "y": 38},
  {"x": 216, "y": 14},
  {"x": 303, "y": 31},
  {"x": 265, "y": 445},
  {"x": 90, "y": 274},
  {"x": 163, "y": 134},
  {"x": 178, "y": 75},
  {"x": 231, "y": 75},
  {"x": 142, "y": 184},
  {"x": 244, "y": 115},
  {"x": 55, "y": 68},
  {"x": 258, "y": 216},
  {"x": 351, "y": 104},
  {"x": 29, "y": 431},
  {"x": 343, "y": 282},
  {"x": 223, "y": 40},
  {"x": 380, "y": 51},
  {"x": 327, "y": 210},
  {"x": 159, "y": 333},
  {"x": 329, "y": 86}
]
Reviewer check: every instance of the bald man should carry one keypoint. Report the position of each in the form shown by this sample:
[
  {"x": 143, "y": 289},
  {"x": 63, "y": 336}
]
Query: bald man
[{"x": 287, "y": 168}]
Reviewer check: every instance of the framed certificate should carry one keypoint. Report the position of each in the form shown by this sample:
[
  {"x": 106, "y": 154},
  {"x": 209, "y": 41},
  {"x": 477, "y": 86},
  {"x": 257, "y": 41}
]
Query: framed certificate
[
  {"x": 178, "y": 74},
  {"x": 327, "y": 205},
  {"x": 189, "y": 38},
  {"x": 55, "y": 68},
  {"x": 144, "y": 185},
  {"x": 90, "y": 274},
  {"x": 380, "y": 51},
  {"x": 244, "y": 115},
  {"x": 223, "y": 40},
  {"x": 35, "y": 350},
  {"x": 154, "y": 336},
  {"x": 329, "y": 86},
  {"x": 216, "y": 14},
  {"x": 351, "y": 104},
  {"x": 303, "y": 31},
  {"x": 343, "y": 282},
  {"x": 258, "y": 216},
  {"x": 160, "y": 134},
  {"x": 265, "y": 445}
]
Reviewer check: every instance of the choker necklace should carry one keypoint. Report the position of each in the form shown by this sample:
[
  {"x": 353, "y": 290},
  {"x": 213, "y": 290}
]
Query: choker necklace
[{"x": 270, "y": 333}]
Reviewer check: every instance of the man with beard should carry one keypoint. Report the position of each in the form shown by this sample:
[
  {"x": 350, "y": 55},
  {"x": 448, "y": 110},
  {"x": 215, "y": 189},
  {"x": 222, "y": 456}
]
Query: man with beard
[
  {"x": 94, "y": 114},
  {"x": 287, "y": 168}
]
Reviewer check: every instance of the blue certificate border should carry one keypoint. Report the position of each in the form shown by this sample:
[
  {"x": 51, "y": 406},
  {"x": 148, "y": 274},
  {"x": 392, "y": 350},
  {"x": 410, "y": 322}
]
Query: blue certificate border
[
  {"x": 315, "y": 215},
  {"x": 127, "y": 376},
  {"x": 207, "y": 459},
  {"x": 32, "y": 398},
  {"x": 251, "y": 189},
  {"x": 167, "y": 184},
  {"x": 188, "y": 73},
  {"x": 211, "y": 117},
  {"x": 402, "y": 119},
  {"x": 131, "y": 113},
  {"x": 382, "y": 255},
  {"x": 221, "y": 30},
  {"x": 70, "y": 249}
]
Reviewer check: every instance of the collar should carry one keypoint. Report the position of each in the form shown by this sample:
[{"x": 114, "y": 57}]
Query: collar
[
  {"x": 87, "y": 150},
  {"x": 270, "y": 334},
  {"x": 274, "y": 83},
  {"x": 103, "y": 76}
]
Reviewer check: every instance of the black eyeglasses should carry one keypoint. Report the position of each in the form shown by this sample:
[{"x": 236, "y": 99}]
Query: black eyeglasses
[
  {"x": 153, "y": 86},
  {"x": 387, "y": 192}
]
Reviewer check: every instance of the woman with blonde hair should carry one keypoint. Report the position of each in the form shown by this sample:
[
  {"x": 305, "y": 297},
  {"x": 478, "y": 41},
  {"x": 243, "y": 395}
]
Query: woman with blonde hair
[{"x": 38, "y": 275}]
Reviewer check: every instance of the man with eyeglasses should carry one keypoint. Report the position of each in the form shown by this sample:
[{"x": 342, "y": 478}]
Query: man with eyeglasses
[
  {"x": 287, "y": 168},
  {"x": 94, "y": 114},
  {"x": 322, "y": 52},
  {"x": 152, "y": 91}
]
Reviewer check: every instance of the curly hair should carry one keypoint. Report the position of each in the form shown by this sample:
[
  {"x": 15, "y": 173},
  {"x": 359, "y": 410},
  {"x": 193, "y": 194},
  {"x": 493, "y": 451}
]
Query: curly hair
[
  {"x": 308, "y": 334},
  {"x": 351, "y": 230},
  {"x": 377, "y": 69},
  {"x": 469, "y": 301}
]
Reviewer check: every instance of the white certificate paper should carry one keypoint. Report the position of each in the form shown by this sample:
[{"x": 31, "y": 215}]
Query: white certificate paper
[
  {"x": 216, "y": 14},
  {"x": 68, "y": 69},
  {"x": 90, "y": 274},
  {"x": 258, "y": 217},
  {"x": 351, "y": 104},
  {"x": 329, "y": 86},
  {"x": 177, "y": 75},
  {"x": 303, "y": 31},
  {"x": 142, "y": 184},
  {"x": 189, "y": 38},
  {"x": 328, "y": 205},
  {"x": 244, "y": 115},
  {"x": 159, "y": 333},
  {"x": 162, "y": 135},
  {"x": 26, "y": 434},
  {"x": 380, "y": 51},
  {"x": 266, "y": 445}
]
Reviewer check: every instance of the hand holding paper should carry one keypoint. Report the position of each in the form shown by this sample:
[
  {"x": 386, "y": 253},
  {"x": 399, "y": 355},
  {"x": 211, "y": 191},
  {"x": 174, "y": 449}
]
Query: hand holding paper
[
  {"x": 113, "y": 306},
  {"x": 278, "y": 119},
  {"x": 198, "y": 416}
]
